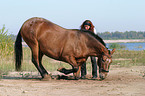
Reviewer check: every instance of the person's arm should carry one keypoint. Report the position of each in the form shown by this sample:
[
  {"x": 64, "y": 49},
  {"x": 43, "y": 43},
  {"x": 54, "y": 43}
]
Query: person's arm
[{"x": 95, "y": 31}]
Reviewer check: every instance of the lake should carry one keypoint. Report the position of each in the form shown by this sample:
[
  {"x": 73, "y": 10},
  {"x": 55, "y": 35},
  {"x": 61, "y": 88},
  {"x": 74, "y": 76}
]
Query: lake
[
  {"x": 129, "y": 46},
  {"x": 132, "y": 46}
]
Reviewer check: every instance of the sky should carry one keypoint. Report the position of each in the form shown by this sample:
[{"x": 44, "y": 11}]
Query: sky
[{"x": 106, "y": 15}]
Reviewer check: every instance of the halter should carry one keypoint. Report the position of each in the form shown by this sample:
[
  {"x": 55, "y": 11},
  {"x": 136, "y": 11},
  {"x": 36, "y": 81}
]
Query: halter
[
  {"x": 103, "y": 70},
  {"x": 106, "y": 55}
]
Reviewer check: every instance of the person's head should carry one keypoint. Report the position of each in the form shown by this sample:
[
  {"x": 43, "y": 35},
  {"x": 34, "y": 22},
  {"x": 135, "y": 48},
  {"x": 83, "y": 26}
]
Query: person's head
[{"x": 87, "y": 25}]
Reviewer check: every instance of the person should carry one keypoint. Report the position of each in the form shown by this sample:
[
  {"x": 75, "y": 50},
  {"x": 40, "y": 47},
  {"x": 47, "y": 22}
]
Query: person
[{"x": 88, "y": 25}]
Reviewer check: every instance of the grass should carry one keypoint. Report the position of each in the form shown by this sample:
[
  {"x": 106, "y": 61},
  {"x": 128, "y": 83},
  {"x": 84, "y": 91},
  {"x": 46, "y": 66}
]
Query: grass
[
  {"x": 123, "y": 58},
  {"x": 128, "y": 58}
]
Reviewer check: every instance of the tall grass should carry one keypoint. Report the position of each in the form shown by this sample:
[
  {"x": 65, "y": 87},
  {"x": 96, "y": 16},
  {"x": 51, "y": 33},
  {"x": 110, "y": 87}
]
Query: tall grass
[
  {"x": 6, "y": 43},
  {"x": 129, "y": 58},
  {"x": 117, "y": 46},
  {"x": 6, "y": 51},
  {"x": 123, "y": 58}
]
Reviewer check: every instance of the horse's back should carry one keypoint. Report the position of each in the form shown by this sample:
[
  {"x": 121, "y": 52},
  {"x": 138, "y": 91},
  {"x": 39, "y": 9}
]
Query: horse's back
[
  {"x": 35, "y": 29},
  {"x": 35, "y": 25}
]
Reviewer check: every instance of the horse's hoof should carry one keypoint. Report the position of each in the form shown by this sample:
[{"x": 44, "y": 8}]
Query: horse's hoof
[
  {"x": 55, "y": 77},
  {"x": 47, "y": 78},
  {"x": 62, "y": 70},
  {"x": 83, "y": 77}
]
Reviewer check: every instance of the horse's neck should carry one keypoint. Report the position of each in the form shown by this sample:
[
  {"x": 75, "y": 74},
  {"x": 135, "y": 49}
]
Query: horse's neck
[{"x": 96, "y": 47}]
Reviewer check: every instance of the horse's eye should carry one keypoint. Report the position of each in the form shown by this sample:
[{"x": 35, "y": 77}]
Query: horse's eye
[{"x": 108, "y": 60}]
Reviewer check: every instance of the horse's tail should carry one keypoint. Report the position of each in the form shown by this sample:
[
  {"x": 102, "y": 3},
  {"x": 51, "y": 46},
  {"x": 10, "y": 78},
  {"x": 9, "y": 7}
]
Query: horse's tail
[{"x": 18, "y": 51}]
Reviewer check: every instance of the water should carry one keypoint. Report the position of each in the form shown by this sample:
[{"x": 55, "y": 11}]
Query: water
[
  {"x": 133, "y": 46},
  {"x": 129, "y": 46}
]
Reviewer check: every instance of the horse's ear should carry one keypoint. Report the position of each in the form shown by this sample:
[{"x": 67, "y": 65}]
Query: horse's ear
[{"x": 113, "y": 51}]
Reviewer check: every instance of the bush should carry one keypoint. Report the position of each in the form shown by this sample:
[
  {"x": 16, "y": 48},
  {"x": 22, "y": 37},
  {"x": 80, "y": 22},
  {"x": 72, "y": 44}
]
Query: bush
[
  {"x": 117, "y": 46},
  {"x": 6, "y": 43}
]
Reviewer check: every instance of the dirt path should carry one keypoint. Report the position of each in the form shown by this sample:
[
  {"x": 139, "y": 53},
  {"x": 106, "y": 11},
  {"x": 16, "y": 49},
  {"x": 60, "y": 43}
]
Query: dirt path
[{"x": 120, "y": 82}]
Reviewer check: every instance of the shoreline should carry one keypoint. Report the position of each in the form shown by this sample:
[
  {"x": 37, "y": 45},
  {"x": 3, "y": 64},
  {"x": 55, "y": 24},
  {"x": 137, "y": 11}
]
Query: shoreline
[
  {"x": 114, "y": 41},
  {"x": 125, "y": 41}
]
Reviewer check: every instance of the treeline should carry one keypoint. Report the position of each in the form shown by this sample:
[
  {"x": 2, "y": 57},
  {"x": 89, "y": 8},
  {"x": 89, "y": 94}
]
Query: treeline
[
  {"x": 122, "y": 35},
  {"x": 114, "y": 35}
]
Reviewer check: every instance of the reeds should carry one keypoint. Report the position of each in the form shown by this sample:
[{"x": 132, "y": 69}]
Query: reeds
[
  {"x": 128, "y": 58},
  {"x": 6, "y": 43},
  {"x": 6, "y": 51}
]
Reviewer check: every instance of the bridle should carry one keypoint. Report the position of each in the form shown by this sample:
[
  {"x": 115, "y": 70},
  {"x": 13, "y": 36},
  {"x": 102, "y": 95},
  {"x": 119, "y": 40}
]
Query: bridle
[{"x": 103, "y": 70}]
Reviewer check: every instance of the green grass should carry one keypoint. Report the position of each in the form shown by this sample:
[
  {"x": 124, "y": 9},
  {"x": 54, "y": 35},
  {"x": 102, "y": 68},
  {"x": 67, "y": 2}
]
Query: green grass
[
  {"x": 6, "y": 43},
  {"x": 122, "y": 58},
  {"x": 127, "y": 58}
]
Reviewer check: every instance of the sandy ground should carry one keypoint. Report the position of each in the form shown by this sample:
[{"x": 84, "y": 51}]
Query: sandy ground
[{"x": 120, "y": 82}]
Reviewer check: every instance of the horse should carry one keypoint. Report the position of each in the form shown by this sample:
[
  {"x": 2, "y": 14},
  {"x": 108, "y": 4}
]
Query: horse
[
  {"x": 101, "y": 63},
  {"x": 72, "y": 46}
]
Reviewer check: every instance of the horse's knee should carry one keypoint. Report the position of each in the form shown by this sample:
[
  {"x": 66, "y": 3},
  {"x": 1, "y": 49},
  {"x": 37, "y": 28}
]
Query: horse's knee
[{"x": 77, "y": 72}]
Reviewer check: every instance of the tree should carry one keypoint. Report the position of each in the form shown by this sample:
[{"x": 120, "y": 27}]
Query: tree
[{"x": 122, "y": 35}]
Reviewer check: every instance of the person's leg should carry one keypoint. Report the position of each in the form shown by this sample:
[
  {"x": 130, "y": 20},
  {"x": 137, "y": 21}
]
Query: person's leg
[
  {"x": 94, "y": 67},
  {"x": 83, "y": 70}
]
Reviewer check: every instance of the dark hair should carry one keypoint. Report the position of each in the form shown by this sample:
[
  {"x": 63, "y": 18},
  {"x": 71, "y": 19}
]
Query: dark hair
[
  {"x": 96, "y": 36},
  {"x": 91, "y": 31},
  {"x": 88, "y": 22}
]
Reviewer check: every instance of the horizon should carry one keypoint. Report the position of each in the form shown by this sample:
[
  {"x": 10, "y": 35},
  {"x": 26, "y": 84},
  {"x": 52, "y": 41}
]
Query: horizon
[{"x": 97, "y": 32}]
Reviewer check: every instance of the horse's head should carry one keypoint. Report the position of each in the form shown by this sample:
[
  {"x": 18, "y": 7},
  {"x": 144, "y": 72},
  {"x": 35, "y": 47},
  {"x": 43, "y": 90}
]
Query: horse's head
[{"x": 104, "y": 63}]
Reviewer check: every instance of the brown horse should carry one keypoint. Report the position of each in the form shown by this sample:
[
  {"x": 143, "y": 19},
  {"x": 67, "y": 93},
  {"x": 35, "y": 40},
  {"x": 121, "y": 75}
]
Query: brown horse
[{"x": 69, "y": 45}]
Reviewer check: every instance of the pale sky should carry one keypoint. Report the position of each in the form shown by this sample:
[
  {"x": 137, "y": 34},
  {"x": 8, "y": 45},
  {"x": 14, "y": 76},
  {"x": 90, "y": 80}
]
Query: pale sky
[{"x": 106, "y": 15}]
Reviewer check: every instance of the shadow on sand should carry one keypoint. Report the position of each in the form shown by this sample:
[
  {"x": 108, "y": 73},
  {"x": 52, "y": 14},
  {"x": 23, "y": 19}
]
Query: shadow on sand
[{"x": 54, "y": 77}]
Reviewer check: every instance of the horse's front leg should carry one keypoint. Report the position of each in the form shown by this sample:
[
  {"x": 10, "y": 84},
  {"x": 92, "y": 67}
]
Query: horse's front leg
[
  {"x": 75, "y": 68},
  {"x": 77, "y": 74},
  {"x": 79, "y": 63}
]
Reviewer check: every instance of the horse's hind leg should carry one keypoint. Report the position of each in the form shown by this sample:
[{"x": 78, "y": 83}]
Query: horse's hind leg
[
  {"x": 46, "y": 76},
  {"x": 40, "y": 63},
  {"x": 36, "y": 60},
  {"x": 37, "y": 65}
]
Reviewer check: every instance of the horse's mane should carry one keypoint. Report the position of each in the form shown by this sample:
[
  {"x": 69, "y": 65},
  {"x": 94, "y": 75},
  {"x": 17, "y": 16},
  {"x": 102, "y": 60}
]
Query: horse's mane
[{"x": 96, "y": 36}]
